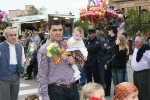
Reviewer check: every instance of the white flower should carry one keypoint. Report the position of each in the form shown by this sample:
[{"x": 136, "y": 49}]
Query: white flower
[{"x": 31, "y": 49}]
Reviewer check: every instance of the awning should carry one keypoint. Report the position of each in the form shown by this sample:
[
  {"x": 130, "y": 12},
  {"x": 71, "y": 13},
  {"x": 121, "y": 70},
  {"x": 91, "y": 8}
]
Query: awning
[{"x": 64, "y": 16}]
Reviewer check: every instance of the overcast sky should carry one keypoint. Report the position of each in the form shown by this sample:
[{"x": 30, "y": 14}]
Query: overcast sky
[{"x": 61, "y": 6}]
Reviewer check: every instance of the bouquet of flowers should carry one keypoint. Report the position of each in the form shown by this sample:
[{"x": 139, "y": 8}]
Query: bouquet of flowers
[
  {"x": 54, "y": 51},
  {"x": 30, "y": 52},
  {"x": 31, "y": 48},
  {"x": 29, "y": 56}
]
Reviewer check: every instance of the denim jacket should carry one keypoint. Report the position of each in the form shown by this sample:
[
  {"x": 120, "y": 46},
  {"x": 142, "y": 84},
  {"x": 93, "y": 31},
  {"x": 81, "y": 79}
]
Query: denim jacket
[{"x": 5, "y": 58}]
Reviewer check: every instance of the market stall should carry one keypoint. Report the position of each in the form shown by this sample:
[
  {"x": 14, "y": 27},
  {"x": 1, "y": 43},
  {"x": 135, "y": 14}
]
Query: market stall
[{"x": 40, "y": 22}]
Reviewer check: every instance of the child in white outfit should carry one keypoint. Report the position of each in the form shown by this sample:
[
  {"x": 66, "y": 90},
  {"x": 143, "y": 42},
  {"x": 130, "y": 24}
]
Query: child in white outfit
[{"x": 75, "y": 43}]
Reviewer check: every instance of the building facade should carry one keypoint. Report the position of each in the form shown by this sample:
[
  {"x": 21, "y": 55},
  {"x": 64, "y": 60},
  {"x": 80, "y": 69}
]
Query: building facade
[
  {"x": 127, "y": 4},
  {"x": 28, "y": 10}
]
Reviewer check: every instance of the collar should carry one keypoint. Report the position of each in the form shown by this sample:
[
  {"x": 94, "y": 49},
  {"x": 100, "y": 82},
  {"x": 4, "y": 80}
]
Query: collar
[
  {"x": 93, "y": 38},
  {"x": 11, "y": 44}
]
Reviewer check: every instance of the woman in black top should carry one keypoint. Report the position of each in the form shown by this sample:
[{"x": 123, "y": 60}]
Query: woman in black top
[{"x": 118, "y": 64}]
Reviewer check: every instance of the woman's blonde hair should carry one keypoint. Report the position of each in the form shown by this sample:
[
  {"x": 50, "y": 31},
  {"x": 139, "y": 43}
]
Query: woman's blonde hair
[
  {"x": 88, "y": 89},
  {"x": 123, "y": 44}
]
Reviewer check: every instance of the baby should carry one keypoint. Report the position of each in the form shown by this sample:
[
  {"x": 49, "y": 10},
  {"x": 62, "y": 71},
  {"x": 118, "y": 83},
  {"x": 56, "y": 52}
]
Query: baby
[
  {"x": 126, "y": 91},
  {"x": 32, "y": 97},
  {"x": 77, "y": 49},
  {"x": 92, "y": 91}
]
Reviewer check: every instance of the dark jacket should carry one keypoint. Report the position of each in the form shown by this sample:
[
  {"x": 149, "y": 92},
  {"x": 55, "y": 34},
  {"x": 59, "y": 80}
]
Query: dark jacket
[
  {"x": 5, "y": 58},
  {"x": 120, "y": 56},
  {"x": 93, "y": 47},
  {"x": 109, "y": 49}
]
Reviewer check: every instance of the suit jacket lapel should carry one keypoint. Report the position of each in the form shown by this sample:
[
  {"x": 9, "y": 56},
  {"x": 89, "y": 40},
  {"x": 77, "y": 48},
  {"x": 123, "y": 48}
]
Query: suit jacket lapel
[
  {"x": 6, "y": 51},
  {"x": 17, "y": 51}
]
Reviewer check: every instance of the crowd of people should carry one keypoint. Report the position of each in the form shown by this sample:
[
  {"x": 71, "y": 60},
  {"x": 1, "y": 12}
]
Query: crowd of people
[{"x": 93, "y": 63}]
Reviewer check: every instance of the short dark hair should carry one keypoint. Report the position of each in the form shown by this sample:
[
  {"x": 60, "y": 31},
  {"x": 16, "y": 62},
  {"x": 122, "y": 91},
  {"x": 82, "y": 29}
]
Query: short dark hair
[
  {"x": 27, "y": 34},
  {"x": 20, "y": 36},
  {"x": 98, "y": 33},
  {"x": 53, "y": 22},
  {"x": 137, "y": 30},
  {"x": 114, "y": 28},
  {"x": 115, "y": 31},
  {"x": 41, "y": 35}
]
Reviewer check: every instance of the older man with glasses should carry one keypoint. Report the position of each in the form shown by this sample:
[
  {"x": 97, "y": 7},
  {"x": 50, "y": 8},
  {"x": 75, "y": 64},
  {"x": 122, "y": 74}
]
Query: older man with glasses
[{"x": 11, "y": 59}]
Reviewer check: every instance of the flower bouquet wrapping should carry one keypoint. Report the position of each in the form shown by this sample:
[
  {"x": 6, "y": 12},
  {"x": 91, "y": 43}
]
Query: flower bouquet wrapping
[
  {"x": 30, "y": 52},
  {"x": 29, "y": 56},
  {"x": 54, "y": 51},
  {"x": 31, "y": 49}
]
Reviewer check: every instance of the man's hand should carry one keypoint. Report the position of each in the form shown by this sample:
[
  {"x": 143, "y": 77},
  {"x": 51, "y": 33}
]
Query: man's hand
[
  {"x": 27, "y": 63},
  {"x": 105, "y": 67},
  {"x": 105, "y": 44},
  {"x": 70, "y": 60}
]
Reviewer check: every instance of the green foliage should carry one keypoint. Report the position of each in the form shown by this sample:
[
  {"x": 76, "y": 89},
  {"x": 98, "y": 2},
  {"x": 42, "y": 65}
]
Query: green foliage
[
  {"x": 55, "y": 51},
  {"x": 132, "y": 21},
  {"x": 39, "y": 11},
  {"x": 83, "y": 25}
]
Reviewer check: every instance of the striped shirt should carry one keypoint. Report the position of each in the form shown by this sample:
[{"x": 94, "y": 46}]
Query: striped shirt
[
  {"x": 49, "y": 73},
  {"x": 143, "y": 64}
]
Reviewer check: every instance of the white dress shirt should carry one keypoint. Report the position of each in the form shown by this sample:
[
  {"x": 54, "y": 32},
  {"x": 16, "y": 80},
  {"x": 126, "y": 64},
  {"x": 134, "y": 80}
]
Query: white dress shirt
[
  {"x": 143, "y": 64},
  {"x": 13, "y": 57}
]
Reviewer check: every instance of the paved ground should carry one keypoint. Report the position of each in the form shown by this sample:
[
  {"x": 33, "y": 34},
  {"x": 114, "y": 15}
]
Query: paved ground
[
  {"x": 27, "y": 87},
  {"x": 130, "y": 77},
  {"x": 30, "y": 86}
]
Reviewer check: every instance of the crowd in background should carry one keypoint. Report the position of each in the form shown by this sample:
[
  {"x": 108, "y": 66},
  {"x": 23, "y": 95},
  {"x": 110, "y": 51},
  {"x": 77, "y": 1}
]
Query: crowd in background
[{"x": 100, "y": 66}]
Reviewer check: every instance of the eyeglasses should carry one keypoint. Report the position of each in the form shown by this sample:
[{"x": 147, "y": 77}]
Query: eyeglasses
[{"x": 12, "y": 34}]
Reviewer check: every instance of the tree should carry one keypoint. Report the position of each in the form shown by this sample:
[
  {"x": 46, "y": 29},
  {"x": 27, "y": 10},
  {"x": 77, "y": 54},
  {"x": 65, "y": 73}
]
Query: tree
[
  {"x": 37, "y": 11},
  {"x": 83, "y": 25},
  {"x": 132, "y": 21}
]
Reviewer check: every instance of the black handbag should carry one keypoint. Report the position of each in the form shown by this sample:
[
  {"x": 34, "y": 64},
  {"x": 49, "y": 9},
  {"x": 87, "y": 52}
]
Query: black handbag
[{"x": 112, "y": 61}]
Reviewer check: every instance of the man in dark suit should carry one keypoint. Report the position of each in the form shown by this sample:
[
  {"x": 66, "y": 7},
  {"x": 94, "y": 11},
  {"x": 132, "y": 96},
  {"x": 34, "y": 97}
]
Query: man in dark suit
[{"x": 93, "y": 47}]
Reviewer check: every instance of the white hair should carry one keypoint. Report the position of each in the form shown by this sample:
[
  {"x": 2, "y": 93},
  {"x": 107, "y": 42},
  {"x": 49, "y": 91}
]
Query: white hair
[
  {"x": 5, "y": 31},
  {"x": 141, "y": 39}
]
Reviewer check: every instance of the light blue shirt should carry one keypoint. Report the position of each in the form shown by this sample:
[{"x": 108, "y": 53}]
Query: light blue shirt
[{"x": 143, "y": 64}]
